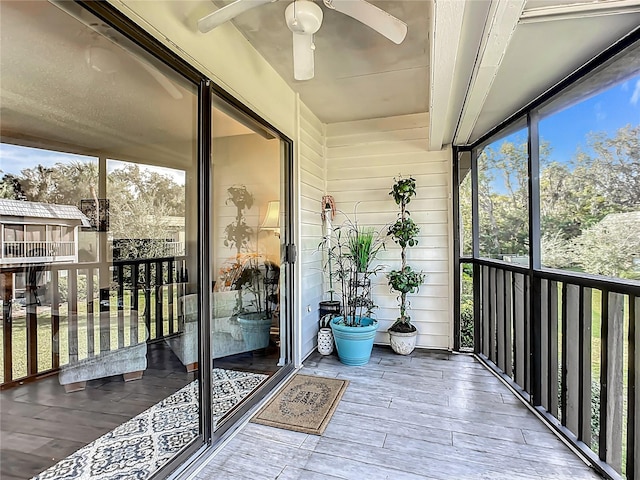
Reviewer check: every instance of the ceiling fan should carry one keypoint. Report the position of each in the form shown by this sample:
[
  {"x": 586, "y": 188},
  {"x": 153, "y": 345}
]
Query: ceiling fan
[
  {"x": 304, "y": 18},
  {"x": 104, "y": 52}
]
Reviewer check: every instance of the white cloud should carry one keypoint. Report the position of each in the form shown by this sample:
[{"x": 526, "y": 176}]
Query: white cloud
[{"x": 635, "y": 97}]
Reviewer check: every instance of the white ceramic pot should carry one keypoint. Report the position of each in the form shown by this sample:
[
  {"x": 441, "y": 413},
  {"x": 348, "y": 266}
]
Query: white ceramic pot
[
  {"x": 403, "y": 343},
  {"x": 325, "y": 341}
]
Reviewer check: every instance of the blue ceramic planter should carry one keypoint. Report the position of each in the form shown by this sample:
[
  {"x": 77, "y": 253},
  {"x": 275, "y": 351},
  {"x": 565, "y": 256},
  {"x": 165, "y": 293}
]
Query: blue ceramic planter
[
  {"x": 354, "y": 344},
  {"x": 255, "y": 329}
]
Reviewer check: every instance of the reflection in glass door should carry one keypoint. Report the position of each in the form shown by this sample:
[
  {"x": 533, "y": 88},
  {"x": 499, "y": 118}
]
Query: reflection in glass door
[
  {"x": 99, "y": 249},
  {"x": 247, "y": 323}
]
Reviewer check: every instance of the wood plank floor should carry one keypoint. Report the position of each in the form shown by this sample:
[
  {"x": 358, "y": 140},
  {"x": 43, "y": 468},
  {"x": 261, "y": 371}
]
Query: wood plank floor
[
  {"x": 40, "y": 424},
  {"x": 427, "y": 416}
]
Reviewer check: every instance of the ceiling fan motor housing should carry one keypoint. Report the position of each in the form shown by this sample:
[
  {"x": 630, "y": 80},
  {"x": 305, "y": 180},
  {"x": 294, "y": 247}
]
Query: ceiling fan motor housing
[{"x": 303, "y": 16}]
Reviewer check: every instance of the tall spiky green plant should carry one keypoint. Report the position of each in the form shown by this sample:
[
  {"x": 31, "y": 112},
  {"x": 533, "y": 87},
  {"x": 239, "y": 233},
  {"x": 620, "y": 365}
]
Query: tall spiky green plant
[
  {"x": 363, "y": 247},
  {"x": 351, "y": 250}
]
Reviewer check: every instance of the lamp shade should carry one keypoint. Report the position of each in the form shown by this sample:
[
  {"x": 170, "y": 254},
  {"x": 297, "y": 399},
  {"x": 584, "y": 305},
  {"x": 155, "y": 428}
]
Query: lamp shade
[{"x": 272, "y": 217}]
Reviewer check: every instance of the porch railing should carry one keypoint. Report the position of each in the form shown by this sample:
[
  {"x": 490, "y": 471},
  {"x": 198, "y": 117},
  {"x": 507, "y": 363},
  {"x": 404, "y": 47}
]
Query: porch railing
[
  {"x": 33, "y": 249},
  {"x": 74, "y": 311},
  {"x": 567, "y": 344}
]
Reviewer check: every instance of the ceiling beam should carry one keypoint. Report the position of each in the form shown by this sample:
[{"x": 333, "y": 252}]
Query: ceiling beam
[
  {"x": 499, "y": 27},
  {"x": 579, "y": 10},
  {"x": 446, "y": 28}
]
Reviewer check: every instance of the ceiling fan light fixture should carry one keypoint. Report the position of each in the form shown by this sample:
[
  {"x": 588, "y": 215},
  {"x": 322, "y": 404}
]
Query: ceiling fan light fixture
[
  {"x": 303, "y": 16},
  {"x": 303, "y": 68}
]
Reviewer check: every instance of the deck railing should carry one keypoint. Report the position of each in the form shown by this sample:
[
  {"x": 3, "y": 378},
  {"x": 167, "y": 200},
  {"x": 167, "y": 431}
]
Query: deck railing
[
  {"x": 567, "y": 344},
  {"x": 73, "y": 311},
  {"x": 39, "y": 249}
]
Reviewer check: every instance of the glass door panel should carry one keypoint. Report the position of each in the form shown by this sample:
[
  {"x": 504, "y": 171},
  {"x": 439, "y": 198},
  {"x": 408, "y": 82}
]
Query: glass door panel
[
  {"x": 247, "y": 321},
  {"x": 99, "y": 249}
]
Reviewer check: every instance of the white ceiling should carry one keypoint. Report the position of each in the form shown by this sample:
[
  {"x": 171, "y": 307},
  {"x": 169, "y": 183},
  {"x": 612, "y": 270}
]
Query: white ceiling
[
  {"x": 492, "y": 58},
  {"x": 359, "y": 74},
  {"x": 67, "y": 87}
]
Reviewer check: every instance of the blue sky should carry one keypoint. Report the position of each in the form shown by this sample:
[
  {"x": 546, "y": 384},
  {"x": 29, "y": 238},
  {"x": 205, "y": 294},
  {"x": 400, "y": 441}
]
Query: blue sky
[
  {"x": 566, "y": 131},
  {"x": 14, "y": 159},
  {"x": 606, "y": 112}
]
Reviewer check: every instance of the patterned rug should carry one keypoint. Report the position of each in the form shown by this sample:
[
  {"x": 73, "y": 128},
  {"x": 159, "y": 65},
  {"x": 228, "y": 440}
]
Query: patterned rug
[
  {"x": 305, "y": 404},
  {"x": 140, "y": 446}
]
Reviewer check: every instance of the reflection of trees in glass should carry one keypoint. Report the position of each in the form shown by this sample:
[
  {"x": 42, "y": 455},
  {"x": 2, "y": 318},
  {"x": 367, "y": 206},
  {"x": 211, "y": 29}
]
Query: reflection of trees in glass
[
  {"x": 63, "y": 184},
  {"x": 10, "y": 188},
  {"x": 143, "y": 205},
  {"x": 580, "y": 204}
]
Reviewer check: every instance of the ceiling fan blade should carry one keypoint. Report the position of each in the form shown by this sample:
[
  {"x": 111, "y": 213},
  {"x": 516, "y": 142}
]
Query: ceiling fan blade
[
  {"x": 226, "y": 13},
  {"x": 161, "y": 78},
  {"x": 303, "y": 48},
  {"x": 382, "y": 22}
]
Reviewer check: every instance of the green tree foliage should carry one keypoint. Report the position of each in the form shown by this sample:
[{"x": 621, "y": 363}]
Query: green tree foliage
[
  {"x": 141, "y": 202},
  {"x": 610, "y": 246},
  {"x": 63, "y": 184},
  {"x": 578, "y": 199},
  {"x": 10, "y": 188},
  {"x": 141, "y": 206},
  {"x": 503, "y": 214}
]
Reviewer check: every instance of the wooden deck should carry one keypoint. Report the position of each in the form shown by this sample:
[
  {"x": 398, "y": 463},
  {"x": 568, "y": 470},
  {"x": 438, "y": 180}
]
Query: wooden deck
[{"x": 427, "y": 416}]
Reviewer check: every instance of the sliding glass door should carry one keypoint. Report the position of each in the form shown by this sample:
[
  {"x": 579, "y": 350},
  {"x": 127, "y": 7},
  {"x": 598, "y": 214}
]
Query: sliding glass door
[
  {"x": 143, "y": 285},
  {"x": 100, "y": 247},
  {"x": 248, "y": 323}
]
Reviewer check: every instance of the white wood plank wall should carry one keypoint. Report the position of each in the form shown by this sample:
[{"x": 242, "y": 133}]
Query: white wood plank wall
[
  {"x": 312, "y": 187},
  {"x": 363, "y": 157}
]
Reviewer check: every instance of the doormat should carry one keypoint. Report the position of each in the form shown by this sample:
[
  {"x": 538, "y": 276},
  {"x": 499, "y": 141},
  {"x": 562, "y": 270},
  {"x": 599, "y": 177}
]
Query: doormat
[{"x": 305, "y": 404}]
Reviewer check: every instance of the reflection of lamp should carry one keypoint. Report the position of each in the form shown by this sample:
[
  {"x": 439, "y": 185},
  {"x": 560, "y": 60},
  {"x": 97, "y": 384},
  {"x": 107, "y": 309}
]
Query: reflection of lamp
[{"x": 272, "y": 218}]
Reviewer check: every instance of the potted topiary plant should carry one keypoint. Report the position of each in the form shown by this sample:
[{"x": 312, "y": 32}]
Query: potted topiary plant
[
  {"x": 404, "y": 232},
  {"x": 352, "y": 250},
  {"x": 260, "y": 281},
  {"x": 237, "y": 236},
  {"x": 254, "y": 281}
]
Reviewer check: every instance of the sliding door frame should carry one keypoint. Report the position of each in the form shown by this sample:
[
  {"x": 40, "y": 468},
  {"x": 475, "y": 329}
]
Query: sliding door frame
[{"x": 188, "y": 460}]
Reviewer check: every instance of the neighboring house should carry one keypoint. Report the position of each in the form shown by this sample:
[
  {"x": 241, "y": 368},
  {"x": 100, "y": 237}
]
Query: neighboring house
[
  {"x": 33, "y": 232},
  {"x": 34, "y": 236}
]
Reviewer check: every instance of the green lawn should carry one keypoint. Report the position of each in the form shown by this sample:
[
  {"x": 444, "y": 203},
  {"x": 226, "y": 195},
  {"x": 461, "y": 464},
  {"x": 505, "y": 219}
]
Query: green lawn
[{"x": 45, "y": 344}]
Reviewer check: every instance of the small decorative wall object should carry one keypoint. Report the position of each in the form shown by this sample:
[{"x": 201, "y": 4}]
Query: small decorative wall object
[
  {"x": 97, "y": 211},
  {"x": 325, "y": 341}
]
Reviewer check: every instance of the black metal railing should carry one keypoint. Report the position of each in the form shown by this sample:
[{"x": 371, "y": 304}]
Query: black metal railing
[
  {"x": 567, "y": 344},
  {"x": 54, "y": 314}
]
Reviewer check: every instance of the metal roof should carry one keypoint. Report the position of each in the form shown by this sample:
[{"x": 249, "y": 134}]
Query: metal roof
[{"x": 19, "y": 208}]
